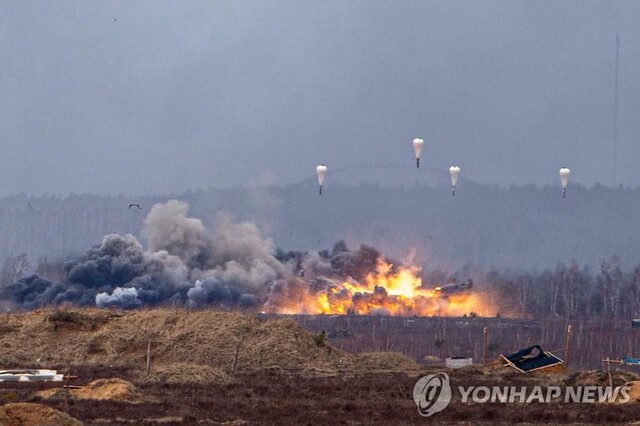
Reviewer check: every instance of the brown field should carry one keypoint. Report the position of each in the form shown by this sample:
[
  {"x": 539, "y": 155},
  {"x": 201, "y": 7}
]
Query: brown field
[
  {"x": 282, "y": 375},
  {"x": 419, "y": 337}
]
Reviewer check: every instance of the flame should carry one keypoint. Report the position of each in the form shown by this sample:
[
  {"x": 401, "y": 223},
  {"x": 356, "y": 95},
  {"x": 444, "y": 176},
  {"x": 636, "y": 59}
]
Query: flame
[{"x": 390, "y": 291}]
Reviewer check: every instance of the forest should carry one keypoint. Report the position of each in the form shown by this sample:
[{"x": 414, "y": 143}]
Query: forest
[{"x": 534, "y": 253}]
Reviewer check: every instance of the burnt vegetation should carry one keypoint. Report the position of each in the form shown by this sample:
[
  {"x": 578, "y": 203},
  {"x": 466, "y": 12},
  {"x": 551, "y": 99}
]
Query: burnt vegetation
[
  {"x": 283, "y": 376},
  {"x": 259, "y": 398}
]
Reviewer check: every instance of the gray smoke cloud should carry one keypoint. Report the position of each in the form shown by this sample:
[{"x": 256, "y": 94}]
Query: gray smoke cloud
[
  {"x": 232, "y": 266},
  {"x": 168, "y": 228},
  {"x": 242, "y": 257},
  {"x": 122, "y": 297},
  {"x": 211, "y": 290}
]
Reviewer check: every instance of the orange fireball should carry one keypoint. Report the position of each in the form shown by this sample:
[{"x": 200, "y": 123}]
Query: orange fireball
[{"x": 390, "y": 291}]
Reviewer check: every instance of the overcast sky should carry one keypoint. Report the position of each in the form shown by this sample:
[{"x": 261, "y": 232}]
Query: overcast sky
[{"x": 151, "y": 97}]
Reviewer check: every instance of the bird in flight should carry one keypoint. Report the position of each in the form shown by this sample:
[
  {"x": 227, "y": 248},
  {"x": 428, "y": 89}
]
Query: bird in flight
[{"x": 135, "y": 205}]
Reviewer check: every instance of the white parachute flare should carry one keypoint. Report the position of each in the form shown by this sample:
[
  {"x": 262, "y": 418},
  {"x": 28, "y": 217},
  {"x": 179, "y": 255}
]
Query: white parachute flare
[
  {"x": 454, "y": 172},
  {"x": 321, "y": 170},
  {"x": 564, "y": 178},
  {"x": 417, "y": 148}
]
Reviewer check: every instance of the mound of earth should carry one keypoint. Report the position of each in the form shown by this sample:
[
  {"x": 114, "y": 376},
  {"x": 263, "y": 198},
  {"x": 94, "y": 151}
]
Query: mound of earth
[
  {"x": 101, "y": 390},
  {"x": 634, "y": 392},
  {"x": 23, "y": 413},
  {"x": 186, "y": 373},
  {"x": 106, "y": 337},
  {"x": 431, "y": 359},
  {"x": 599, "y": 378}
]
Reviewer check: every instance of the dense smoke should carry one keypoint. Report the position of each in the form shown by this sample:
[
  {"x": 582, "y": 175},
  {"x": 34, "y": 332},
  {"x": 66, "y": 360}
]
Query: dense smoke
[{"x": 185, "y": 264}]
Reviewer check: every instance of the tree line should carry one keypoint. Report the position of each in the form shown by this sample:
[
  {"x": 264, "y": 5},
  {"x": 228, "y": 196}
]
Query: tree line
[
  {"x": 568, "y": 291},
  {"x": 520, "y": 228}
]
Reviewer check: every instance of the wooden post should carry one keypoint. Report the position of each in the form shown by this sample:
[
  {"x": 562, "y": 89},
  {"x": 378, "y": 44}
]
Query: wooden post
[
  {"x": 484, "y": 356},
  {"x": 609, "y": 372},
  {"x": 66, "y": 396},
  {"x": 235, "y": 358},
  {"x": 568, "y": 346},
  {"x": 66, "y": 389},
  {"x": 149, "y": 357}
]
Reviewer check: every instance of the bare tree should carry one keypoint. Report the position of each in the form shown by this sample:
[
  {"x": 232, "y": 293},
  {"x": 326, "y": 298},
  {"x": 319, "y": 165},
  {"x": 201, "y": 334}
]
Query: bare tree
[
  {"x": 525, "y": 282},
  {"x": 14, "y": 269},
  {"x": 610, "y": 281},
  {"x": 558, "y": 282},
  {"x": 575, "y": 290},
  {"x": 632, "y": 293},
  {"x": 52, "y": 271}
]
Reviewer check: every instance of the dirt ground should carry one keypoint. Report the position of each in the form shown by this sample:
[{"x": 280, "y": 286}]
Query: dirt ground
[
  {"x": 277, "y": 396},
  {"x": 225, "y": 368},
  {"x": 21, "y": 414}
]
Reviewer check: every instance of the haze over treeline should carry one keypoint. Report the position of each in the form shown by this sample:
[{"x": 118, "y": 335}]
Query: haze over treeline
[
  {"x": 523, "y": 227},
  {"x": 531, "y": 252}
]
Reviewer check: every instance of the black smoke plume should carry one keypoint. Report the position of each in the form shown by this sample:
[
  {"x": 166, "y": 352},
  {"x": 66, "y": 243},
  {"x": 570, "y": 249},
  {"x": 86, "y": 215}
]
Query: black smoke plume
[{"x": 185, "y": 264}]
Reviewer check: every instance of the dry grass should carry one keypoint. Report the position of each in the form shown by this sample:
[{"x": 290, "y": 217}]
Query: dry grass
[
  {"x": 99, "y": 390},
  {"x": 180, "y": 373},
  {"x": 634, "y": 392},
  {"x": 279, "y": 396},
  {"x": 282, "y": 377},
  {"x": 23, "y": 413},
  {"x": 599, "y": 378},
  {"x": 182, "y": 343},
  {"x": 94, "y": 336},
  {"x": 385, "y": 361}
]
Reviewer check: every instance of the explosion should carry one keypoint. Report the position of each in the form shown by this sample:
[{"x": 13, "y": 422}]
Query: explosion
[
  {"x": 390, "y": 291},
  {"x": 234, "y": 267}
]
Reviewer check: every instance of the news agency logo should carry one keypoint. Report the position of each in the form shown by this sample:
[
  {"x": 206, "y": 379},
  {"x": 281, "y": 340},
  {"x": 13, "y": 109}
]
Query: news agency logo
[{"x": 432, "y": 394}]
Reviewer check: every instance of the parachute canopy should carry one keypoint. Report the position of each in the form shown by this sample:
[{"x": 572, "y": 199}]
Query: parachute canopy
[
  {"x": 564, "y": 176},
  {"x": 321, "y": 170},
  {"x": 454, "y": 171},
  {"x": 417, "y": 147}
]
